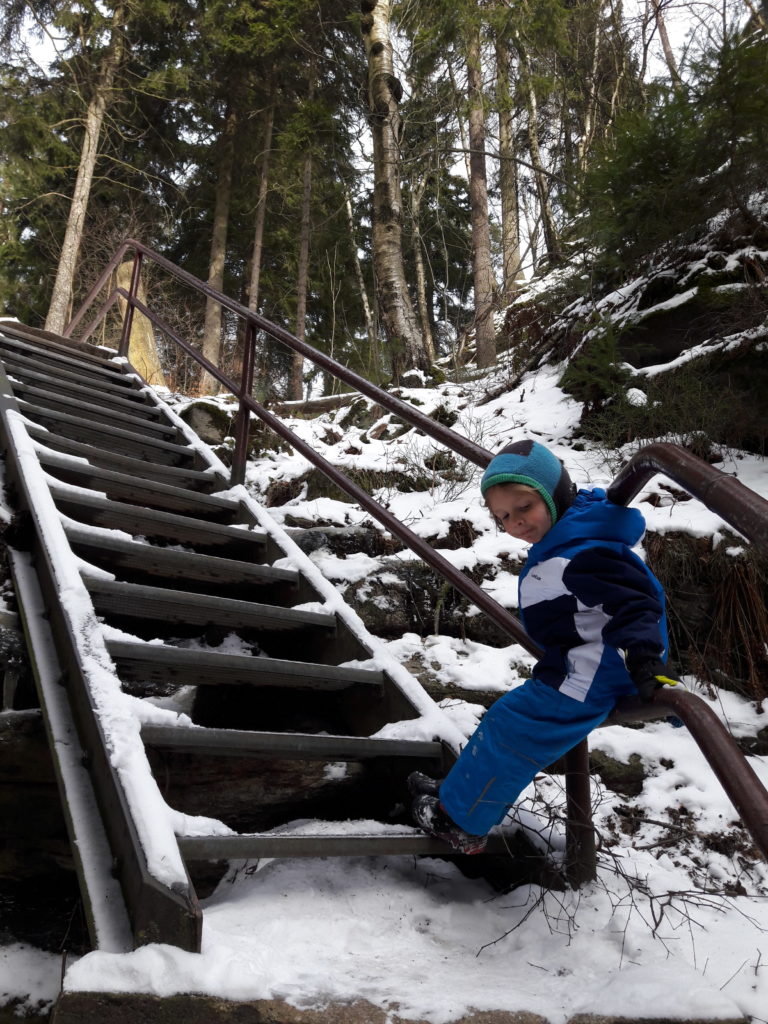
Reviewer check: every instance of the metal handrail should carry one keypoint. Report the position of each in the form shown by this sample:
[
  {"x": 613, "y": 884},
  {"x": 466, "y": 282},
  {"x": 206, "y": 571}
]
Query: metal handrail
[
  {"x": 425, "y": 551},
  {"x": 461, "y": 445},
  {"x": 736, "y": 504},
  {"x": 740, "y": 507}
]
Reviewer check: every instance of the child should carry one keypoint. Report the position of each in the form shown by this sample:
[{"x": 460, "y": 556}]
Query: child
[{"x": 597, "y": 613}]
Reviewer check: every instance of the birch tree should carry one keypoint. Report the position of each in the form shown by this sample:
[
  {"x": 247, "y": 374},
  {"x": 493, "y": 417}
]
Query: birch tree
[
  {"x": 407, "y": 344},
  {"x": 295, "y": 382},
  {"x": 61, "y": 297}
]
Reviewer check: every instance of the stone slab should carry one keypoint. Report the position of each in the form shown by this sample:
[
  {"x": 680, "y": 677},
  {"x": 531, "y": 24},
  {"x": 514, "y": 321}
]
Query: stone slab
[{"x": 118, "y": 1008}]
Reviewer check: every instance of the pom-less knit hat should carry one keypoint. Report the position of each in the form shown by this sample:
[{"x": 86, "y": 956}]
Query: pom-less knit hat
[{"x": 530, "y": 463}]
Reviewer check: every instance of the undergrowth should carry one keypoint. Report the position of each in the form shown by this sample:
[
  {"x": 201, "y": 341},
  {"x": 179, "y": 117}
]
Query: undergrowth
[{"x": 718, "y": 609}]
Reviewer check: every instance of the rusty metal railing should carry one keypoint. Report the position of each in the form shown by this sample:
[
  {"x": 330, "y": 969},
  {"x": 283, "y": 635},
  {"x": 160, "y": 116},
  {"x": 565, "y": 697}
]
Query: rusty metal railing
[
  {"x": 740, "y": 507},
  {"x": 737, "y": 505}
]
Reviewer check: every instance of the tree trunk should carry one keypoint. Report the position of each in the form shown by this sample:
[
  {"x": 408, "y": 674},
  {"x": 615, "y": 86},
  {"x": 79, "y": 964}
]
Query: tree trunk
[
  {"x": 549, "y": 228},
  {"x": 482, "y": 265},
  {"x": 212, "y": 331},
  {"x": 370, "y": 325},
  {"x": 260, "y": 356},
  {"x": 142, "y": 347},
  {"x": 590, "y": 105},
  {"x": 61, "y": 297},
  {"x": 261, "y": 205},
  {"x": 459, "y": 98},
  {"x": 384, "y": 91},
  {"x": 666, "y": 46},
  {"x": 296, "y": 379},
  {"x": 417, "y": 194},
  {"x": 512, "y": 274}
]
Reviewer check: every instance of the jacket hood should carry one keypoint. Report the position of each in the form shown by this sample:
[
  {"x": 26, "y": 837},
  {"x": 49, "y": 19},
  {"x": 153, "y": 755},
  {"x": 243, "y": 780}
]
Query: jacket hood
[{"x": 591, "y": 517}]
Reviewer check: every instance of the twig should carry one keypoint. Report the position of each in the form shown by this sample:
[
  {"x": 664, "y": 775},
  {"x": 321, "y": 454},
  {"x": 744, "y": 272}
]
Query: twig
[{"x": 732, "y": 976}]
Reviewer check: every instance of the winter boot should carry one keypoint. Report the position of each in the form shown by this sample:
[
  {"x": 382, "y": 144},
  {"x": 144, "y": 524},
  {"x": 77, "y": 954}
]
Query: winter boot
[
  {"x": 420, "y": 784},
  {"x": 429, "y": 815}
]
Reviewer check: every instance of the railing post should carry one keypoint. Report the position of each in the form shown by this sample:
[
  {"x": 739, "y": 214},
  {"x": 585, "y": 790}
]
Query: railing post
[
  {"x": 125, "y": 337},
  {"x": 240, "y": 455},
  {"x": 580, "y": 851}
]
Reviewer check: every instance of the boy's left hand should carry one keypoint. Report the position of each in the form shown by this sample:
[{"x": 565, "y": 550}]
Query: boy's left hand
[{"x": 649, "y": 675}]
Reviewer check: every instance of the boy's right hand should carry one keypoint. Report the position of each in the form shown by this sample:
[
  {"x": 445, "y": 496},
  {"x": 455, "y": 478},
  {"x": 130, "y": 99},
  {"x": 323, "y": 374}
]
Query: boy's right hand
[{"x": 649, "y": 675}]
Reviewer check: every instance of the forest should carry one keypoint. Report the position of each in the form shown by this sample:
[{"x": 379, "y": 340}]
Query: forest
[{"x": 381, "y": 178}]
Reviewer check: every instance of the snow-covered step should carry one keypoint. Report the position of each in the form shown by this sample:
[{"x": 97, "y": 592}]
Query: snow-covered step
[
  {"x": 146, "y": 522},
  {"x": 119, "y": 486},
  {"x": 127, "y": 442},
  {"x": 48, "y": 350},
  {"x": 72, "y": 385},
  {"x": 305, "y": 746},
  {"x": 161, "y": 663},
  {"x": 108, "y": 548},
  {"x": 342, "y": 843},
  {"x": 111, "y": 417},
  {"x": 134, "y": 601},
  {"x": 141, "y": 471},
  {"x": 329, "y": 839}
]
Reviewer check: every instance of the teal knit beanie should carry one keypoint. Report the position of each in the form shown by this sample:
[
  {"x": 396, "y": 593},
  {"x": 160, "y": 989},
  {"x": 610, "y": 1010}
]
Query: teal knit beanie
[{"x": 530, "y": 463}]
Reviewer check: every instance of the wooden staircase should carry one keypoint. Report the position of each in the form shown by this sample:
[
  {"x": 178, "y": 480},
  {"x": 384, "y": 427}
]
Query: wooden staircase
[{"x": 141, "y": 574}]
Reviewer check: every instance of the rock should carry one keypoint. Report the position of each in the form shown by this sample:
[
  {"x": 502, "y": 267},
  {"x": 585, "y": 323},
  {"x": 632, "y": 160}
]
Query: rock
[
  {"x": 343, "y": 540},
  {"x": 209, "y": 420},
  {"x": 620, "y": 776},
  {"x": 409, "y": 597}
]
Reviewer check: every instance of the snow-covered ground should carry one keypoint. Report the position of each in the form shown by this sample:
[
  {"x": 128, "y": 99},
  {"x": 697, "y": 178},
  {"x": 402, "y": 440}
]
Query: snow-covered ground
[{"x": 676, "y": 925}]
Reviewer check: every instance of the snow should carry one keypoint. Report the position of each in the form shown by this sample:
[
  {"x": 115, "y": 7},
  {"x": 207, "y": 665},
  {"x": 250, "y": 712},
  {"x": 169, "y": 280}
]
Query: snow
[
  {"x": 668, "y": 930},
  {"x": 29, "y": 977},
  {"x": 427, "y": 942}
]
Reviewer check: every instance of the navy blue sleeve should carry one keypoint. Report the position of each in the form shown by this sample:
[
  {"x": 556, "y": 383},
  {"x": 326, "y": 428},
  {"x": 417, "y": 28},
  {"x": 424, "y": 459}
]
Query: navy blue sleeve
[{"x": 627, "y": 593}]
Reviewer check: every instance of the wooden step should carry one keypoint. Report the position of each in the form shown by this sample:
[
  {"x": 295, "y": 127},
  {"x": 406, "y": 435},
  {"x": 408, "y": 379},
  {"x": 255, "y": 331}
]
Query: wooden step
[
  {"x": 202, "y": 480},
  {"x": 156, "y": 663},
  {"x": 103, "y": 413},
  {"x": 301, "y": 746},
  {"x": 332, "y": 839},
  {"x": 134, "y": 601},
  {"x": 48, "y": 339},
  {"x": 70, "y": 384},
  {"x": 127, "y": 388},
  {"x": 146, "y": 522},
  {"x": 114, "y": 438},
  {"x": 110, "y": 550},
  {"x": 59, "y": 354},
  {"x": 125, "y": 487}
]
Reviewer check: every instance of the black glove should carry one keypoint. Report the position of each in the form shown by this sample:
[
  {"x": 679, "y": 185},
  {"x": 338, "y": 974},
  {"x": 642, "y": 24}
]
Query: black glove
[{"x": 649, "y": 675}]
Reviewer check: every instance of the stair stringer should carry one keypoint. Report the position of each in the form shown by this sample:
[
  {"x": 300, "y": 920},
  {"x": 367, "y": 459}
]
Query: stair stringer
[{"x": 128, "y": 796}]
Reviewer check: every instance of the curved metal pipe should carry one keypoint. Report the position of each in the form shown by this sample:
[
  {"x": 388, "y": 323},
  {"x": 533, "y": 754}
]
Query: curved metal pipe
[
  {"x": 463, "y": 583},
  {"x": 740, "y": 507}
]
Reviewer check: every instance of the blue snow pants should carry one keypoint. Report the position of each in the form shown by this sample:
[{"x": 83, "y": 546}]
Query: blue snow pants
[{"x": 520, "y": 735}]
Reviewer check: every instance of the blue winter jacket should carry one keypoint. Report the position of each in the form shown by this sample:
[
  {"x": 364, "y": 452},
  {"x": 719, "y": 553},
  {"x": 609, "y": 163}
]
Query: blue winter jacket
[{"x": 586, "y": 598}]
